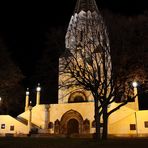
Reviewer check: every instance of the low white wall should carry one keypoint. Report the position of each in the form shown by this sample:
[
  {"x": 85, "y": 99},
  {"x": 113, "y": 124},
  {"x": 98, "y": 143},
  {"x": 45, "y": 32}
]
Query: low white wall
[{"x": 7, "y": 121}]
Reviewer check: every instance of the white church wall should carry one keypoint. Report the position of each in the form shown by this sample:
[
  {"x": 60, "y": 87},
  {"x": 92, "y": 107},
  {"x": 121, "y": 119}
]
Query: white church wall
[
  {"x": 126, "y": 123},
  {"x": 38, "y": 115},
  {"x": 123, "y": 127},
  {"x": 121, "y": 120},
  {"x": 9, "y": 125},
  {"x": 142, "y": 122},
  {"x": 85, "y": 109},
  {"x": 121, "y": 113}
]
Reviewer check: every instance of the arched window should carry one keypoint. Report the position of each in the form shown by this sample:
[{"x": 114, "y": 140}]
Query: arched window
[
  {"x": 57, "y": 127},
  {"x": 94, "y": 124},
  {"x": 86, "y": 126},
  {"x": 77, "y": 97},
  {"x": 50, "y": 125}
]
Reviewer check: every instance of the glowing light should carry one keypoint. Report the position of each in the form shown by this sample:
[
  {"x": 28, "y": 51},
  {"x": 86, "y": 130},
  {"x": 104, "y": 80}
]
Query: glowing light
[
  {"x": 135, "y": 84},
  {"x": 0, "y": 99},
  {"x": 38, "y": 89},
  {"x": 27, "y": 92}
]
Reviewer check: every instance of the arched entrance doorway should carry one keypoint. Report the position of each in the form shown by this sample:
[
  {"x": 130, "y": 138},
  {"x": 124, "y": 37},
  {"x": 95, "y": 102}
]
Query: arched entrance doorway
[
  {"x": 72, "y": 127},
  {"x": 71, "y": 122}
]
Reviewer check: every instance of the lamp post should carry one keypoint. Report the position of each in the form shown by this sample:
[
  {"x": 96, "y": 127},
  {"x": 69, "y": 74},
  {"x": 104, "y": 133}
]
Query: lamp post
[
  {"x": 30, "y": 118},
  {"x": 27, "y": 99},
  {"x": 38, "y": 89},
  {"x": 135, "y": 85}
]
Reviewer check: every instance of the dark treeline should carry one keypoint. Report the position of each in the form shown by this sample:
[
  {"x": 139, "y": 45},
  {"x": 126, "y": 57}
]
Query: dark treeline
[{"x": 11, "y": 89}]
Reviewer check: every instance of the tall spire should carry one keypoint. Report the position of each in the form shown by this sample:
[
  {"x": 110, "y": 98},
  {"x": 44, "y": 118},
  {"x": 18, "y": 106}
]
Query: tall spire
[
  {"x": 86, "y": 26},
  {"x": 86, "y": 5},
  {"x": 87, "y": 34}
]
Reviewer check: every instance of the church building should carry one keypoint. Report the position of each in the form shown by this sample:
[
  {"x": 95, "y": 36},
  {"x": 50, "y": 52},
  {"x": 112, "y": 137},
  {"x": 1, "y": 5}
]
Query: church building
[{"x": 74, "y": 113}]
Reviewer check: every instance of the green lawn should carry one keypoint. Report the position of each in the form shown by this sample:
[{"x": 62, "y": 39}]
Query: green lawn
[{"x": 34, "y": 142}]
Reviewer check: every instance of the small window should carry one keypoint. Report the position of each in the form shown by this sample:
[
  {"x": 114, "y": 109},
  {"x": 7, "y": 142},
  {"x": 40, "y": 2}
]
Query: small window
[
  {"x": 2, "y": 126},
  {"x": 146, "y": 124},
  {"x": 50, "y": 125},
  {"x": 94, "y": 124},
  {"x": 132, "y": 127},
  {"x": 12, "y": 128}
]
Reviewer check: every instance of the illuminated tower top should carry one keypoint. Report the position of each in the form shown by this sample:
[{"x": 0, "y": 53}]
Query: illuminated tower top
[
  {"x": 86, "y": 5},
  {"x": 86, "y": 27}
]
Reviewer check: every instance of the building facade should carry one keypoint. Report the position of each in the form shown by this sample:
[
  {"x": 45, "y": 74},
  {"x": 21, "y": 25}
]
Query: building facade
[{"x": 74, "y": 113}]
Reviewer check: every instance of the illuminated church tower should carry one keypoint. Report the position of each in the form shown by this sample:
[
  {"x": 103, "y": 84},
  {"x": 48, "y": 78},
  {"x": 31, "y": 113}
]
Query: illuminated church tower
[
  {"x": 86, "y": 35},
  {"x": 86, "y": 51}
]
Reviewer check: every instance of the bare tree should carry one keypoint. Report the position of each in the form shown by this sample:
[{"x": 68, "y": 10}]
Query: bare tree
[
  {"x": 87, "y": 47},
  {"x": 87, "y": 65},
  {"x": 10, "y": 87}
]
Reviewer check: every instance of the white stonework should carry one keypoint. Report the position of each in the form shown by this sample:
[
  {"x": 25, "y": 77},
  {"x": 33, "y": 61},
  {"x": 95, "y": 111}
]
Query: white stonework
[{"x": 10, "y": 125}]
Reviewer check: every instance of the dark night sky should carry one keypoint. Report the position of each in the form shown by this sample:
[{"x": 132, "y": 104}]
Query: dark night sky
[{"x": 23, "y": 25}]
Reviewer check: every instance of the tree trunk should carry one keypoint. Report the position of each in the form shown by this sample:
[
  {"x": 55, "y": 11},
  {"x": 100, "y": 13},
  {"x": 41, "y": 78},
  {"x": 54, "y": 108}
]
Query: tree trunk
[
  {"x": 105, "y": 124},
  {"x": 97, "y": 121}
]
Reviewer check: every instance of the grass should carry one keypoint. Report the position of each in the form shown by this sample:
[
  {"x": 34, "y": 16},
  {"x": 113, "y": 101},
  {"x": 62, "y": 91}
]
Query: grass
[{"x": 45, "y": 142}]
